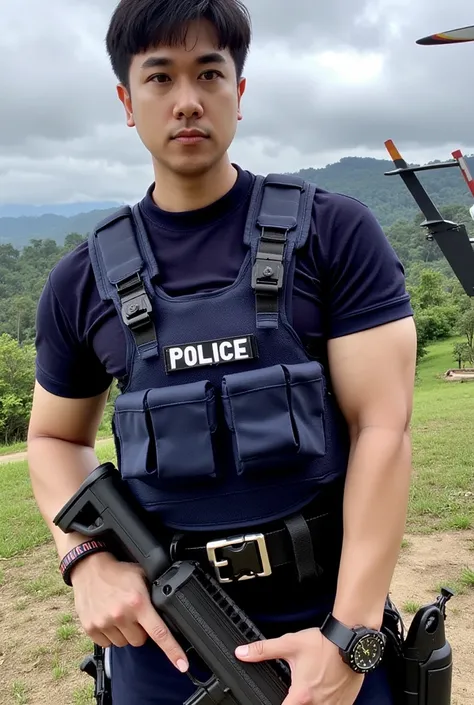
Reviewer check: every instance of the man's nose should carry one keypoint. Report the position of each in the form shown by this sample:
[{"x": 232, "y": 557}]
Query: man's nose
[{"x": 187, "y": 103}]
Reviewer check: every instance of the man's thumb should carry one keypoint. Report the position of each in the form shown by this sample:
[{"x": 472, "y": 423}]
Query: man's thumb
[{"x": 264, "y": 650}]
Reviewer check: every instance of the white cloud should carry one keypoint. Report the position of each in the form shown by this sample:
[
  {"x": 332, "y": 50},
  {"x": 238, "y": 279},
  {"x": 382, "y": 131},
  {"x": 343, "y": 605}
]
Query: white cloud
[{"x": 325, "y": 80}]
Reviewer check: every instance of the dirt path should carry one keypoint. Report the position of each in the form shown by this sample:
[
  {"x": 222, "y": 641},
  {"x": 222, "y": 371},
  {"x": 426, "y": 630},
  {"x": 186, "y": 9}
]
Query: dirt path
[
  {"x": 42, "y": 642},
  {"x": 21, "y": 455}
]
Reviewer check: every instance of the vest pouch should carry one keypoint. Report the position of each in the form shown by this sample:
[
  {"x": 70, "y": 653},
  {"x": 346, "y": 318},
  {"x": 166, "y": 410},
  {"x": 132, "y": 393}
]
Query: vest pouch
[
  {"x": 133, "y": 445},
  {"x": 275, "y": 415},
  {"x": 184, "y": 421},
  {"x": 167, "y": 434}
]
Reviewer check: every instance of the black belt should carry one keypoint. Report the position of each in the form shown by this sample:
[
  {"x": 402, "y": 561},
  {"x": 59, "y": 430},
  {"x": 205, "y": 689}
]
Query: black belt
[{"x": 300, "y": 542}]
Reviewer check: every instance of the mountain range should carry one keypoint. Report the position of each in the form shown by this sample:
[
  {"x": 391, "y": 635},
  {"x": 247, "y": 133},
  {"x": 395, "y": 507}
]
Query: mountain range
[{"x": 360, "y": 177}]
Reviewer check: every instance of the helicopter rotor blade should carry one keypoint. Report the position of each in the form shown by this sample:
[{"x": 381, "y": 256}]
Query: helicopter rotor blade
[{"x": 453, "y": 36}]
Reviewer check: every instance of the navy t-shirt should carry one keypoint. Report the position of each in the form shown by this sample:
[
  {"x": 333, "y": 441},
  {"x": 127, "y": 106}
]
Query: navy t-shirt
[{"x": 347, "y": 279}]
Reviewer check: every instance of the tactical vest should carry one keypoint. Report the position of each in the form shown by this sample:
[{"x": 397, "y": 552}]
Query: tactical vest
[{"x": 224, "y": 420}]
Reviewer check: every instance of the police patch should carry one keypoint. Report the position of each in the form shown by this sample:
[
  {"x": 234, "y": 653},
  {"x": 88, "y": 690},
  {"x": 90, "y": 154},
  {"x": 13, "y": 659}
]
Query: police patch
[{"x": 209, "y": 353}]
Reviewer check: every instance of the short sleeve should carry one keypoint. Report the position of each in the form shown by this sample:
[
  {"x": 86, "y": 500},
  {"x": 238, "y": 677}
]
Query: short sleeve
[
  {"x": 64, "y": 365},
  {"x": 365, "y": 277}
]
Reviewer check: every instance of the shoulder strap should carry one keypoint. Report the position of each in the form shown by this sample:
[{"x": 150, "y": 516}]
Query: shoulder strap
[
  {"x": 124, "y": 267},
  {"x": 278, "y": 224}
]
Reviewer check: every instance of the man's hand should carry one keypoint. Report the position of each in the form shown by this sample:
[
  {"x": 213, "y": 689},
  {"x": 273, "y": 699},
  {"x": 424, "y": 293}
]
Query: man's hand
[
  {"x": 113, "y": 604},
  {"x": 318, "y": 674}
]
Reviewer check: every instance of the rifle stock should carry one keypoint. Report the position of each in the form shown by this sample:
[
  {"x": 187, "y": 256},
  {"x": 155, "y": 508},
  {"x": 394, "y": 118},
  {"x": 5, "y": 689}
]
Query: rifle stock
[{"x": 191, "y": 602}]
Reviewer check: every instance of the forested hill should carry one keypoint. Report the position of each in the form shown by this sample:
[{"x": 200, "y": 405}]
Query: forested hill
[
  {"x": 387, "y": 196},
  {"x": 19, "y": 231},
  {"x": 360, "y": 177}
]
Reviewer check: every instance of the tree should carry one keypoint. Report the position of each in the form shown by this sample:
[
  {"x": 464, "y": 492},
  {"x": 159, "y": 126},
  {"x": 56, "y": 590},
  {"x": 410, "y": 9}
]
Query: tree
[
  {"x": 17, "y": 374},
  {"x": 462, "y": 353},
  {"x": 73, "y": 240},
  {"x": 466, "y": 325},
  {"x": 431, "y": 291}
]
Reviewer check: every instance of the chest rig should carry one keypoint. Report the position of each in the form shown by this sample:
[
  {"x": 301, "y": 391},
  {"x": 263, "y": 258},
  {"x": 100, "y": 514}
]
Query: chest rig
[{"x": 224, "y": 420}]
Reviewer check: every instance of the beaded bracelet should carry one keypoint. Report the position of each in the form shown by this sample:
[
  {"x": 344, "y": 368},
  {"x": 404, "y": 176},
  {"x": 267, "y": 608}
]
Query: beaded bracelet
[{"x": 77, "y": 554}]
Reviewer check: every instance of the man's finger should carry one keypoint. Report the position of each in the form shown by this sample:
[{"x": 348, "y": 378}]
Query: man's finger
[
  {"x": 116, "y": 637},
  {"x": 135, "y": 634},
  {"x": 293, "y": 699},
  {"x": 264, "y": 650},
  {"x": 161, "y": 635}
]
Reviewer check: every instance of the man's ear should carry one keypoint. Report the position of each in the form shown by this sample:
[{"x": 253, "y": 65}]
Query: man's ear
[
  {"x": 240, "y": 91},
  {"x": 125, "y": 99}
]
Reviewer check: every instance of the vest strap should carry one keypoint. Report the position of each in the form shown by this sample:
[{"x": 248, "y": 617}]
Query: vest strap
[
  {"x": 267, "y": 274},
  {"x": 283, "y": 222},
  {"x": 120, "y": 276},
  {"x": 137, "y": 310}
]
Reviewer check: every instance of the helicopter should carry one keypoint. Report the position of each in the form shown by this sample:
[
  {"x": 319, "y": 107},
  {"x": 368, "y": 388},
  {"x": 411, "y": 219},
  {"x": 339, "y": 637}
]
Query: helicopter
[{"x": 452, "y": 238}]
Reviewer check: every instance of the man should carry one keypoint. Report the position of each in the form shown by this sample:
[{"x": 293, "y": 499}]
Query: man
[{"x": 307, "y": 413}]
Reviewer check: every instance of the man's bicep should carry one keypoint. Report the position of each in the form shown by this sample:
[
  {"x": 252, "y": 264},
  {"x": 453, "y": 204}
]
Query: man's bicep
[
  {"x": 66, "y": 364},
  {"x": 72, "y": 420},
  {"x": 372, "y": 373}
]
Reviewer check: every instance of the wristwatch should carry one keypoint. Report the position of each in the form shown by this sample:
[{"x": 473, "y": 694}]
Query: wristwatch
[{"x": 361, "y": 648}]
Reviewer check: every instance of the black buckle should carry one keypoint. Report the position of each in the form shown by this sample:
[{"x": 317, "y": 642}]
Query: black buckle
[
  {"x": 136, "y": 306},
  {"x": 268, "y": 270},
  {"x": 245, "y": 557},
  {"x": 267, "y": 274}
]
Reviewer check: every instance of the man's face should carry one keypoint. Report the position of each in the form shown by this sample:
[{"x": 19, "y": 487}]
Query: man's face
[{"x": 185, "y": 102}]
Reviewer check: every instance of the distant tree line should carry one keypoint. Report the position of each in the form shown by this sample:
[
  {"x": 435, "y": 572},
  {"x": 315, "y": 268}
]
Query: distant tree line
[{"x": 442, "y": 309}]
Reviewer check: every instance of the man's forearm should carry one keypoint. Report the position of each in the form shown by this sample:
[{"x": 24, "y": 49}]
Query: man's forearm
[
  {"x": 375, "y": 505},
  {"x": 57, "y": 469}
]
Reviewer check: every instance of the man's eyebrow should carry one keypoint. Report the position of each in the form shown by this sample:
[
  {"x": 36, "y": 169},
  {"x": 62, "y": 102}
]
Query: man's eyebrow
[
  {"x": 154, "y": 62},
  {"x": 213, "y": 58}
]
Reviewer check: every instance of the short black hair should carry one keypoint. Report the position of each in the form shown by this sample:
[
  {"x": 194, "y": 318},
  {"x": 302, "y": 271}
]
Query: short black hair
[{"x": 139, "y": 25}]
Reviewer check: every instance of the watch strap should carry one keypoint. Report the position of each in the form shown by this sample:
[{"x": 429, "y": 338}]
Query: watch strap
[{"x": 337, "y": 633}]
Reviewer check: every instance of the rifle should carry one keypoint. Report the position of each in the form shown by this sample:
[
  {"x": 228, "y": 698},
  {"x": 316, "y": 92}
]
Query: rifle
[
  {"x": 192, "y": 603},
  {"x": 197, "y": 609}
]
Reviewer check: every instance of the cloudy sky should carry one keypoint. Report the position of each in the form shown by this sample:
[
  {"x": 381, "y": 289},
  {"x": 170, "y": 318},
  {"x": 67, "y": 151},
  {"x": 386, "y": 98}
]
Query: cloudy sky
[{"x": 325, "y": 80}]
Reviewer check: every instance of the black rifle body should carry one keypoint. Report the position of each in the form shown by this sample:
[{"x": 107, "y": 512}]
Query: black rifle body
[{"x": 191, "y": 602}]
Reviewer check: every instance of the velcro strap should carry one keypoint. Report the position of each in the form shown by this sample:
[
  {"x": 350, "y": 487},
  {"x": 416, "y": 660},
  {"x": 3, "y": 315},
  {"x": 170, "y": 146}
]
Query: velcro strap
[
  {"x": 302, "y": 543},
  {"x": 118, "y": 247}
]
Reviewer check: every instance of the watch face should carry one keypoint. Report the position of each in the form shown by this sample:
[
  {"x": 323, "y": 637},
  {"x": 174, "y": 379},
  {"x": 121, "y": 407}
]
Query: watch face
[{"x": 367, "y": 652}]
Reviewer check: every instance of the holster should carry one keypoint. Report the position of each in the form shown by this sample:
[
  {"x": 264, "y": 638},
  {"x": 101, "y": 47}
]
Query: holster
[
  {"x": 94, "y": 666},
  {"x": 419, "y": 664}
]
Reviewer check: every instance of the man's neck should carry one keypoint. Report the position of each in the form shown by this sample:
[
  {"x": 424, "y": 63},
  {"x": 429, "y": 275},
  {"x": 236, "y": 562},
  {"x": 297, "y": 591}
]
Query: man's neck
[{"x": 177, "y": 194}]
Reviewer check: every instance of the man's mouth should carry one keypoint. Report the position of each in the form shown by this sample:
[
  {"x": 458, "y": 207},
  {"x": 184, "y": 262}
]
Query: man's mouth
[{"x": 191, "y": 136}]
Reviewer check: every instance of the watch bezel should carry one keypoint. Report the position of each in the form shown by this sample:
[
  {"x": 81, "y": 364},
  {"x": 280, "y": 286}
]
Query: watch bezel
[{"x": 361, "y": 634}]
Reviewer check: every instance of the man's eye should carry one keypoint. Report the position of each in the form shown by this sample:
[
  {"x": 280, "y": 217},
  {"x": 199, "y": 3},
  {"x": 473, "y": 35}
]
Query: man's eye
[
  {"x": 160, "y": 78},
  {"x": 209, "y": 75}
]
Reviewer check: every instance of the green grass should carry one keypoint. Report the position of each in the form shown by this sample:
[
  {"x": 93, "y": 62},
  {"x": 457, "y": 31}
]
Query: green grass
[
  {"x": 66, "y": 632},
  {"x": 48, "y": 584},
  {"x": 84, "y": 695},
  {"x": 443, "y": 458},
  {"x": 411, "y": 607},
  {"x": 467, "y": 578},
  {"x": 13, "y": 448},
  {"x": 19, "y": 693},
  {"x": 442, "y": 493},
  {"x": 21, "y": 525}
]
